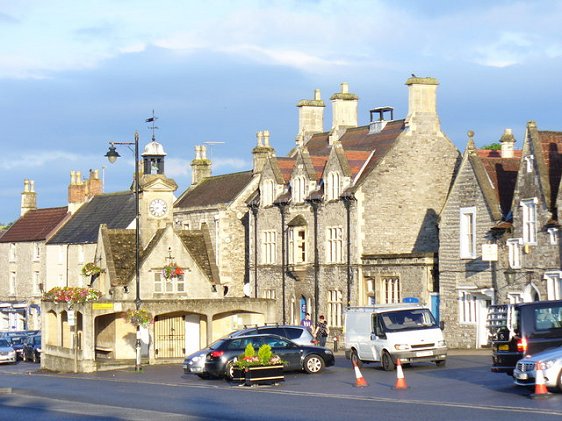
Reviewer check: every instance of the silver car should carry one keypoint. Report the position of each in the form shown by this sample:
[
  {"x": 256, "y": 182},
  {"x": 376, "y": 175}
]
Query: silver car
[
  {"x": 551, "y": 361},
  {"x": 7, "y": 353}
]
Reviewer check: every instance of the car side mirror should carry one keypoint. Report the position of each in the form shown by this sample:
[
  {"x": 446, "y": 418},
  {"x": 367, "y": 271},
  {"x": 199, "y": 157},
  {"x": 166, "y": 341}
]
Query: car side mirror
[{"x": 442, "y": 325}]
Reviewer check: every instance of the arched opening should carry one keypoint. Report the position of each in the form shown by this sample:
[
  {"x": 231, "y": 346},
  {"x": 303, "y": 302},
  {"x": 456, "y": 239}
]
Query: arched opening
[
  {"x": 531, "y": 293},
  {"x": 52, "y": 327}
]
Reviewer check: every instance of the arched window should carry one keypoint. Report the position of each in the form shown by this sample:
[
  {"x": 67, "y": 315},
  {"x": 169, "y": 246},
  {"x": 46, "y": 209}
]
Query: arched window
[
  {"x": 299, "y": 189},
  {"x": 267, "y": 193},
  {"x": 333, "y": 185}
]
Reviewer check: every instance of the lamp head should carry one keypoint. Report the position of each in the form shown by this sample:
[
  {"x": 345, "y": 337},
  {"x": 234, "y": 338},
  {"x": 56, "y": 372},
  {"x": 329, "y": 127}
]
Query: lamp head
[{"x": 112, "y": 154}]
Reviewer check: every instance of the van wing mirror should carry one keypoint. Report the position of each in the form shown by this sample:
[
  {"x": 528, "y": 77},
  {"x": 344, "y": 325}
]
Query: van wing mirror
[{"x": 442, "y": 325}]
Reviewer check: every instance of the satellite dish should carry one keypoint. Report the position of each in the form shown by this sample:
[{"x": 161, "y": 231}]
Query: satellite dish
[{"x": 247, "y": 289}]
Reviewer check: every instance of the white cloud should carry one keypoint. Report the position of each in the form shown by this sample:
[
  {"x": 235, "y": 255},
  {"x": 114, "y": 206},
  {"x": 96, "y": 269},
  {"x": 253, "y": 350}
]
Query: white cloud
[{"x": 38, "y": 159}]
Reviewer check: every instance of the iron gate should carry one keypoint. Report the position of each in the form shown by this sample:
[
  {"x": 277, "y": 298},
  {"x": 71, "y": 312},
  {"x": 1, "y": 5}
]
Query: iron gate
[{"x": 170, "y": 336}]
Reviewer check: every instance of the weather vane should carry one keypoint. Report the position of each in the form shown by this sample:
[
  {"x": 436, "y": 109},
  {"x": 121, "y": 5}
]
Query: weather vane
[{"x": 153, "y": 127}]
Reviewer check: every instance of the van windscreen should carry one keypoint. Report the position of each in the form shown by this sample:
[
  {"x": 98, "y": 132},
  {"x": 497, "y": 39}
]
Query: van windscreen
[
  {"x": 548, "y": 318},
  {"x": 393, "y": 321}
]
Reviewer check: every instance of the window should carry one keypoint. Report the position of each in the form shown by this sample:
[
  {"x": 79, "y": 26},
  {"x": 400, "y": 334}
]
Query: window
[
  {"x": 267, "y": 193},
  {"x": 335, "y": 308},
  {"x": 299, "y": 189},
  {"x": 390, "y": 290},
  {"x": 36, "y": 252},
  {"x": 12, "y": 283},
  {"x": 529, "y": 221},
  {"x": 297, "y": 245},
  {"x": 553, "y": 235},
  {"x": 467, "y": 307},
  {"x": 553, "y": 285},
  {"x": 268, "y": 242},
  {"x": 35, "y": 279},
  {"x": 269, "y": 293},
  {"x": 334, "y": 248},
  {"x": 12, "y": 252},
  {"x": 514, "y": 252},
  {"x": 173, "y": 285},
  {"x": 333, "y": 185},
  {"x": 529, "y": 162},
  {"x": 468, "y": 233}
]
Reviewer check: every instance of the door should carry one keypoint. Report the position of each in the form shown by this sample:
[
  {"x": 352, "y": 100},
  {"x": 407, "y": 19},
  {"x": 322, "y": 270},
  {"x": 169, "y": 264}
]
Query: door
[
  {"x": 303, "y": 308},
  {"x": 435, "y": 306},
  {"x": 287, "y": 351},
  {"x": 192, "y": 338},
  {"x": 169, "y": 332},
  {"x": 482, "y": 331}
]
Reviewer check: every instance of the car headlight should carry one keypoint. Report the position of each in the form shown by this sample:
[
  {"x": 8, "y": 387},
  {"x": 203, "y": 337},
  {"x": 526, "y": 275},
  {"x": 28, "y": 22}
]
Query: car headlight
[
  {"x": 547, "y": 364},
  {"x": 328, "y": 352},
  {"x": 402, "y": 347},
  {"x": 11, "y": 353},
  {"x": 441, "y": 343}
]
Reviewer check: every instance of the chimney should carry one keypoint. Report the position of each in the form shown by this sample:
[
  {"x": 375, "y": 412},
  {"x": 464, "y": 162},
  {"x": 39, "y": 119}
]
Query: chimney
[
  {"x": 344, "y": 111},
  {"x": 76, "y": 191},
  {"x": 94, "y": 185},
  {"x": 507, "y": 142},
  {"x": 28, "y": 197},
  {"x": 422, "y": 105},
  {"x": 262, "y": 151},
  {"x": 200, "y": 166},
  {"x": 311, "y": 117}
]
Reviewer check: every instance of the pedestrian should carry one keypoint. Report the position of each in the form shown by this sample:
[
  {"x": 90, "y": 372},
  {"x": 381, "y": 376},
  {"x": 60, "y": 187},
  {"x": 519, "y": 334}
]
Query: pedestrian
[
  {"x": 306, "y": 322},
  {"x": 321, "y": 332}
]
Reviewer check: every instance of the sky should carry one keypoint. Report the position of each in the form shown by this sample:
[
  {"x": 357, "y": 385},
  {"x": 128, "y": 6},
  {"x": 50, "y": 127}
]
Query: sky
[{"x": 75, "y": 75}]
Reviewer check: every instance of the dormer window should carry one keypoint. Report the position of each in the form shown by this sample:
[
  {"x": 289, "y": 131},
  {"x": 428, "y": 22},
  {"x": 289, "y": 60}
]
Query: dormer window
[
  {"x": 299, "y": 189},
  {"x": 267, "y": 193},
  {"x": 529, "y": 216},
  {"x": 529, "y": 162},
  {"x": 333, "y": 185}
]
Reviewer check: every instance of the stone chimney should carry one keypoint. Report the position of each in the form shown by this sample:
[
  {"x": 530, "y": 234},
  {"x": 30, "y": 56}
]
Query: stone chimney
[
  {"x": 344, "y": 111},
  {"x": 262, "y": 151},
  {"x": 422, "y": 105},
  {"x": 200, "y": 166},
  {"x": 507, "y": 142},
  {"x": 28, "y": 197},
  {"x": 80, "y": 191},
  {"x": 311, "y": 117}
]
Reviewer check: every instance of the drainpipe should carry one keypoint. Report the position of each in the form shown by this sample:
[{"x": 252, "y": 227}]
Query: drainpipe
[
  {"x": 347, "y": 199},
  {"x": 254, "y": 208},
  {"x": 281, "y": 206},
  {"x": 315, "y": 203}
]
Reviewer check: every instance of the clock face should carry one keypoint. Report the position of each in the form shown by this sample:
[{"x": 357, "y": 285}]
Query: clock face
[{"x": 158, "y": 207}]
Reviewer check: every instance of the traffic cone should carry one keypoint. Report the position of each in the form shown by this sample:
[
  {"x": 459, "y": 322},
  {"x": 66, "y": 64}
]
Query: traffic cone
[
  {"x": 359, "y": 379},
  {"x": 540, "y": 387},
  {"x": 400, "y": 380}
]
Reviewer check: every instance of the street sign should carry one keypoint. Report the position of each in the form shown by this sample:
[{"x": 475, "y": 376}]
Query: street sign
[
  {"x": 411, "y": 300},
  {"x": 102, "y": 306},
  {"x": 71, "y": 318},
  {"x": 490, "y": 252}
]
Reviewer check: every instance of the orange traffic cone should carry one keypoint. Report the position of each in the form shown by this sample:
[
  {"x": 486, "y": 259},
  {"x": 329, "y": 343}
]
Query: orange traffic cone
[
  {"x": 400, "y": 380},
  {"x": 540, "y": 387},
  {"x": 359, "y": 379}
]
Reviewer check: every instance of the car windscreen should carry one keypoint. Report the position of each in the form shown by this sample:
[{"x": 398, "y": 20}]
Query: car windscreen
[
  {"x": 4, "y": 343},
  {"x": 217, "y": 344},
  {"x": 548, "y": 318},
  {"x": 400, "y": 320}
]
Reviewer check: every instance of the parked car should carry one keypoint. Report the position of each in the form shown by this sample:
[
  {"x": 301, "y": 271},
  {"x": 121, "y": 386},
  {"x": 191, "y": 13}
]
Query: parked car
[
  {"x": 524, "y": 373},
  {"x": 298, "y": 334},
  {"x": 31, "y": 350},
  {"x": 526, "y": 328},
  {"x": 16, "y": 340},
  {"x": 217, "y": 359},
  {"x": 7, "y": 352}
]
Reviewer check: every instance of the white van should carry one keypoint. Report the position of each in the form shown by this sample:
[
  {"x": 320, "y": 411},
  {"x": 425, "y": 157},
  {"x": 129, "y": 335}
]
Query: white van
[{"x": 390, "y": 332}]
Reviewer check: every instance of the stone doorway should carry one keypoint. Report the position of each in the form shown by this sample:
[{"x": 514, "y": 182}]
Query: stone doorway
[{"x": 169, "y": 336}]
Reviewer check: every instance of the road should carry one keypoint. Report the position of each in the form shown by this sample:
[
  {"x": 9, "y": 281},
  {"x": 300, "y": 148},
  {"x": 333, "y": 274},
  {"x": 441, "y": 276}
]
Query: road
[{"x": 463, "y": 390}]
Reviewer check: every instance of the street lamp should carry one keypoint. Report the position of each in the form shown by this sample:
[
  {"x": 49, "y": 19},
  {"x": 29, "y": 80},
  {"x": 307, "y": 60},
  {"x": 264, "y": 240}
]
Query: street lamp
[{"x": 112, "y": 156}]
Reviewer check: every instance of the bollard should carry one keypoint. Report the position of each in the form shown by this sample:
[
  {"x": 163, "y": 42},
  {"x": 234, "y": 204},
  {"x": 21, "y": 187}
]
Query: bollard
[{"x": 335, "y": 344}]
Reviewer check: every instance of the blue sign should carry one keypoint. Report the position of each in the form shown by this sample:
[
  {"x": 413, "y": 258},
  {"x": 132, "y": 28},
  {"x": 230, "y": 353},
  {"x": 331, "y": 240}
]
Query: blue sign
[{"x": 411, "y": 300}]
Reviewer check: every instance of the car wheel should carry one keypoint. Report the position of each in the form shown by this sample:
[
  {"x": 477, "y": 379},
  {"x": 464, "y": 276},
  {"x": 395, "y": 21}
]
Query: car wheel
[
  {"x": 355, "y": 359},
  {"x": 34, "y": 358},
  {"x": 313, "y": 364},
  {"x": 440, "y": 363},
  {"x": 387, "y": 363},
  {"x": 229, "y": 370}
]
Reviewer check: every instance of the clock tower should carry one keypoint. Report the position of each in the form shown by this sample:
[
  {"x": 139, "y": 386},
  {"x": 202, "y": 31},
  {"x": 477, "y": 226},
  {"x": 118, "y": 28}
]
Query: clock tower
[{"x": 157, "y": 193}]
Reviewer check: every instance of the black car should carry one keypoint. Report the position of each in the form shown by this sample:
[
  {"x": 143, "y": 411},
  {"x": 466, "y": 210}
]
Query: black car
[
  {"x": 217, "y": 359},
  {"x": 16, "y": 340},
  {"x": 31, "y": 350}
]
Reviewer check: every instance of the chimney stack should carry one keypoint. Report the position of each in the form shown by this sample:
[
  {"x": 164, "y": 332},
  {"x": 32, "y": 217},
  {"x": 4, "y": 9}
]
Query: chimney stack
[
  {"x": 311, "y": 117},
  {"x": 79, "y": 192},
  {"x": 200, "y": 166},
  {"x": 344, "y": 111},
  {"x": 422, "y": 105},
  {"x": 262, "y": 151},
  {"x": 28, "y": 197},
  {"x": 507, "y": 142}
]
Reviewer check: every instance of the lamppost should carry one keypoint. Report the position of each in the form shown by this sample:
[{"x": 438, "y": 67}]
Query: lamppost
[{"x": 112, "y": 156}]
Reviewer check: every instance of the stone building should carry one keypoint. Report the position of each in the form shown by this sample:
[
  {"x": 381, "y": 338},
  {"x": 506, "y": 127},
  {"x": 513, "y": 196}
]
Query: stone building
[
  {"x": 475, "y": 217},
  {"x": 350, "y": 216}
]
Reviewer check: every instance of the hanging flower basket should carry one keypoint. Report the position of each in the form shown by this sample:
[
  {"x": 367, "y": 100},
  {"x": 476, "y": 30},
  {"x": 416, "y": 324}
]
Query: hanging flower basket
[
  {"x": 90, "y": 269},
  {"x": 172, "y": 271},
  {"x": 139, "y": 317},
  {"x": 72, "y": 295}
]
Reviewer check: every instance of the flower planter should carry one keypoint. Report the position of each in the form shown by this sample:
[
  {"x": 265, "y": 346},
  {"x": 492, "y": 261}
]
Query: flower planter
[{"x": 268, "y": 374}]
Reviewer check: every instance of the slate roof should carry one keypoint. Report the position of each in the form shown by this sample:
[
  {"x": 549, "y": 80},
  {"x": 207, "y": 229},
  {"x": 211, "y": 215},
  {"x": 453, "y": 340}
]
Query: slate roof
[
  {"x": 502, "y": 173},
  {"x": 35, "y": 225},
  {"x": 551, "y": 147},
  {"x": 215, "y": 190},
  {"x": 116, "y": 210}
]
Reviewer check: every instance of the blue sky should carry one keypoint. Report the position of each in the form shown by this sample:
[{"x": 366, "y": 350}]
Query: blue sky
[{"x": 77, "y": 74}]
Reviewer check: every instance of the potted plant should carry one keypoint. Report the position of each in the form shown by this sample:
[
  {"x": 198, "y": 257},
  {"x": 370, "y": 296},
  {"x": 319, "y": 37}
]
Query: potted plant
[
  {"x": 72, "y": 295},
  {"x": 263, "y": 368},
  {"x": 139, "y": 317}
]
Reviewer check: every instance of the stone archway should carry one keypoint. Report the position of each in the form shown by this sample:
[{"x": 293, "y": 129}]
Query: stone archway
[{"x": 531, "y": 293}]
